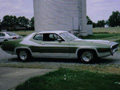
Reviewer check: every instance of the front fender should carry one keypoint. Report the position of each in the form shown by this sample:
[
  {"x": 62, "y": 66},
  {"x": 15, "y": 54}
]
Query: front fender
[{"x": 86, "y": 48}]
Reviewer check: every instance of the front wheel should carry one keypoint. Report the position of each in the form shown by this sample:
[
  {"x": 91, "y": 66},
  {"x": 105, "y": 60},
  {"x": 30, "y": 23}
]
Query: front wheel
[
  {"x": 24, "y": 55},
  {"x": 86, "y": 56}
]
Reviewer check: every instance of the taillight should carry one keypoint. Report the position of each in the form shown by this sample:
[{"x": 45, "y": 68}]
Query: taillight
[{"x": 14, "y": 38}]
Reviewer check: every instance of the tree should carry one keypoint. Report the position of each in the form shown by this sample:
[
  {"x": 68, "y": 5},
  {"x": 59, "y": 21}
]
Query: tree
[
  {"x": 94, "y": 24},
  {"x": 0, "y": 21},
  {"x": 89, "y": 21},
  {"x": 23, "y": 21},
  {"x": 32, "y": 23},
  {"x": 100, "y": 23},
  {"x": 114, "y": 19},
  {"x": 9, "y": 22},
  {"x": 0, "y": 24}
]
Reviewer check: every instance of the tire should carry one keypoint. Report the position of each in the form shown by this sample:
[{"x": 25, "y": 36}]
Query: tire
[
  {"x": 24, "y": 55},
  {"x": 86, "y": 56},
  {"x": 5, "y": 40}
]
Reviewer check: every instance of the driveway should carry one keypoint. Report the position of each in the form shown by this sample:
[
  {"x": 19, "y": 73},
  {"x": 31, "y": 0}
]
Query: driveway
[{"x": 11, "y": 77}]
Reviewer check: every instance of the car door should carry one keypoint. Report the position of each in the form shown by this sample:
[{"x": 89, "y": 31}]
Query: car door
[{"x": 49, "y": 46}]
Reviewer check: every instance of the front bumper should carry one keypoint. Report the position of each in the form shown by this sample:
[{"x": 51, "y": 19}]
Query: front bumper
[
  {"x": 114, "y": 48},
  {"x": 109, "y": 51}
]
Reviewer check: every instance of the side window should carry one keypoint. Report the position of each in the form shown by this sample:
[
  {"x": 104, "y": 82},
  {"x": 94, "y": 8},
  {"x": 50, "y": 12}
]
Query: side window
[
  {"x": 38, "y": 37},
  {"x": 51, "y": 37},
  {"x": 2, "y": 34},
  {"x": 58, "y": 37},
  {"x": 48, "y": 37}
]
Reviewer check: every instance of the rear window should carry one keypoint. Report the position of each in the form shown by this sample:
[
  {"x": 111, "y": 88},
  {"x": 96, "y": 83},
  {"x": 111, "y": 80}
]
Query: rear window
[
  {"x": 38, "y": 37},
  {"x": 2, "y": 34}
]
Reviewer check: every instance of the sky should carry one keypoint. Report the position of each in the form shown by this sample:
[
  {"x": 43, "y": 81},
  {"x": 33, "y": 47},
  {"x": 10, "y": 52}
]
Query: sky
[
  {"x": 101, "y": 9},
  {"x": 96, "y": 9}
]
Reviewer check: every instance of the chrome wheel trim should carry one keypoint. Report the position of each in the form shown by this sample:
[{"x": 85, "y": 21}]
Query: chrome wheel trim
[
  {"x": 87, "y": 56},
  {"x": 23, "y": 55}
]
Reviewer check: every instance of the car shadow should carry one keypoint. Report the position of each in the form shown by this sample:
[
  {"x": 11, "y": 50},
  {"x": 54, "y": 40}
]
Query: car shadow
[{"x": 47, "y": 60}]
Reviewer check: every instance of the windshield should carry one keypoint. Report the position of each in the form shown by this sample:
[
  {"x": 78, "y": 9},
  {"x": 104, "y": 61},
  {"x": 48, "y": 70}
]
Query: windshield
[{"x": 68, "y": 36}]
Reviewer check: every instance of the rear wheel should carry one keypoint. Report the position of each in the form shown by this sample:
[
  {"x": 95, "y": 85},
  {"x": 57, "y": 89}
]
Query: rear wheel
[
  {"x": 86, "y": 56},
  {"x": 24, "y": 55},
  {"x": 5, "y": 40}
]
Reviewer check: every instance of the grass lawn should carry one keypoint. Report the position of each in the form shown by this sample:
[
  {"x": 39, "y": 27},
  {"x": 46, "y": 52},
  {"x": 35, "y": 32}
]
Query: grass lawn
[
  {"x": 66, "y": 79},
  {"x": 107, "y": 30},
  {"x": 102, "y": 36},
  {"x": 24, "y": 33},
  {"x": 118, "y": 41}
]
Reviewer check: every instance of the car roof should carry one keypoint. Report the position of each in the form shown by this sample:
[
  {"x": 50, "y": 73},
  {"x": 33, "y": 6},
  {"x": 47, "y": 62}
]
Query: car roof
[{"x": 57, "y": 32}]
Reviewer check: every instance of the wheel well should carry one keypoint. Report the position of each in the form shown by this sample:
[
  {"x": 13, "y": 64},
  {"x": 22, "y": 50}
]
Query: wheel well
[
  {"x": 17, "y": 50},
  {"x": 82, "y": 50},
  {"x": 5, "y": 40}
]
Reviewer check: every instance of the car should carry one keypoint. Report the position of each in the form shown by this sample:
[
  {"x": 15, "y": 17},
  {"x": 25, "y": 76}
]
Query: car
[
  {"x": 59, "y": 44},
  {"x": 6, "y": 36}
]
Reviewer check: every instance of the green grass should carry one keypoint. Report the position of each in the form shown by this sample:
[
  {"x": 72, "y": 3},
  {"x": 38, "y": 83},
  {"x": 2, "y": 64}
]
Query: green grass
[
  {"x": 101, "y": 36},
  {"x": 66, "y": 79},
  {"x": 107, "y": 30},
  {"x": 118, "y": 41},
  {"x": 23, "y": 33}
]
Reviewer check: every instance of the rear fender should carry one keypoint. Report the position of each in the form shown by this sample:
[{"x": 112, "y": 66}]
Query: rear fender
[{"x": 22, "y": 48}]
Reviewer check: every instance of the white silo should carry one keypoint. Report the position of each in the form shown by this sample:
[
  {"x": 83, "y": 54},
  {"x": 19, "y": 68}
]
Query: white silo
[{"x": 67, "y": 15}]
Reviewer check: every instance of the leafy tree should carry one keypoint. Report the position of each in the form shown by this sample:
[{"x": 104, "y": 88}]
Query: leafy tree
[
  {"x": 23, "y": 21},
  {"x": 0, "y": 21},
  {"x": 89, "y": 21},
  {"x": 32, "y": 23},
  {"x": 0, "y": 24},
  {"x": 114, "y": 19},
  {"x": 94, "y": 25},
  {"x": 9, "y": 22},
  {"x": 100, "y": 23}
]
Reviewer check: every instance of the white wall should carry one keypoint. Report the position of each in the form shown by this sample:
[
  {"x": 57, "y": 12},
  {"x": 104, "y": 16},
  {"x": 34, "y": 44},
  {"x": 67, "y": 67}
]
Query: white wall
[
  {"x": 60, "y": 15},
  {"x": 90, "y": 29}
]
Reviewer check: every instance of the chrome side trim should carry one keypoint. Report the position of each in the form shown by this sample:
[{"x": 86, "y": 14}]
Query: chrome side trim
[{"x": 51, "y": 55}]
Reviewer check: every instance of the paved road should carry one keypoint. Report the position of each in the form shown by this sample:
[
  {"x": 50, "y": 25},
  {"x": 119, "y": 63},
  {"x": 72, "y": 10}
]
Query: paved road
[{"x": 11, "y": 77}]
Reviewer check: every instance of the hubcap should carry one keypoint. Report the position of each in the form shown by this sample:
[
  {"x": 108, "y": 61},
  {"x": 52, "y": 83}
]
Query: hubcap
[
  {"x": 87, "y": 56},
  {"x": 23, "y": 55}
]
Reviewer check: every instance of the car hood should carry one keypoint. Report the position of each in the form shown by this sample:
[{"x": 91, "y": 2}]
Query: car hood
[{"x": 96, "y": 42}]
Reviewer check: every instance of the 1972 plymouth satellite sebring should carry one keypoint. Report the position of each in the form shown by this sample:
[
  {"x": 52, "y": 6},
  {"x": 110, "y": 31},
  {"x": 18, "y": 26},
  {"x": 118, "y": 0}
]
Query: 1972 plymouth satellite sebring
[{"x": 59, "y": 44}]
